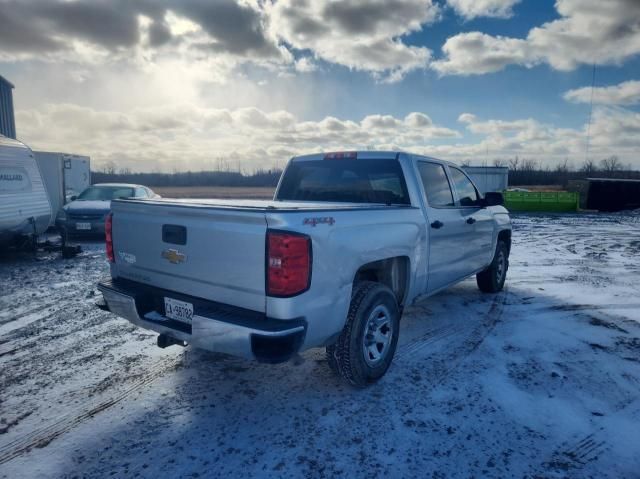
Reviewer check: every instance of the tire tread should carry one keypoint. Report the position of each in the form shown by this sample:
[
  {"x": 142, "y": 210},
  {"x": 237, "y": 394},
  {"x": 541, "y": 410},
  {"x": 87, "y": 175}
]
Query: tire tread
[
  {"x": 340, "y": 353},
  {"x": 486, "y": 278}
]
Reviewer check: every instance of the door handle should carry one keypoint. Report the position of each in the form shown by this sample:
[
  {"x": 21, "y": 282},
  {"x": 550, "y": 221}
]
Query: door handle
[
  {"x": 470, "y": 220},
  {"x": 437, "y": 224}
]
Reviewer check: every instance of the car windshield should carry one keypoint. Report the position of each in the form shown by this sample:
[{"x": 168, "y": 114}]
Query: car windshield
[
  {"x": 352, "y": 181},
  {"x": 105, "y": 193}
]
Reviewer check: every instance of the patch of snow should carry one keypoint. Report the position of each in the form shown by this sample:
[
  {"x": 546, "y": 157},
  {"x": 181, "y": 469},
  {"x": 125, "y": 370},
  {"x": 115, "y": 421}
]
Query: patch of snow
[{"x": 542, "y": 380}]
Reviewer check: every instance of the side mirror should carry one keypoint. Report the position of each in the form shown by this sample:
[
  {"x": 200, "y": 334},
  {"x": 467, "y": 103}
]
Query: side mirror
[
  {"x": 73, "y": 198},
  {"x": 493, "y": 198}
]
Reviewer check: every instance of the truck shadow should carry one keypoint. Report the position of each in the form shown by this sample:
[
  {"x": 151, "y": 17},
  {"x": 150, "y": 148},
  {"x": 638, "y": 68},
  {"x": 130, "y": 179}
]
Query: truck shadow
[{"x": 222, "y": 414}]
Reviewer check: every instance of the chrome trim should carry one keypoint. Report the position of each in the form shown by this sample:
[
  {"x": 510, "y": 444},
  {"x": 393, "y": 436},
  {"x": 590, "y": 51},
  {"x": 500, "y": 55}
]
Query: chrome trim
[{"x": 206, "y": 333}]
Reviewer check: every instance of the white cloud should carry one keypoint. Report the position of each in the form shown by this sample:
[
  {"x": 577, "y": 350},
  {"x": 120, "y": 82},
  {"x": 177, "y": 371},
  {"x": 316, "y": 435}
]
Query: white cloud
[
  {"x": 360, "y": 34},
  {"x": 190, "y": 137},
  {"x": 589, "y": 31},
  {"x": 614, "y": 131},
  {"x": 478, "y": 53},
  {"x": 224, "y": 32},
  {"x": 625, "y": 93},
  {"x": 617, "y": 129},
  {"x": 182, "y": 137},
  {"x": 470, "y": 9},
  {"x": 467, "y": 118},
  {"x": 418, "y": 120},
  {"x": 305, "y": 65},
  {"x": 365, "y": 35}
]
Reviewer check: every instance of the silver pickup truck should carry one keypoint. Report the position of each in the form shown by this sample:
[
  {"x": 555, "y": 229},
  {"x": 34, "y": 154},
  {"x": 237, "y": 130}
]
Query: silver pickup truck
[{"x": 348, "y": 241}]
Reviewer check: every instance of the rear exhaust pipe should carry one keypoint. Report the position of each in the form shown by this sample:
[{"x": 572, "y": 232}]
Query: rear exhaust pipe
[{"x": 164, "y": 341}]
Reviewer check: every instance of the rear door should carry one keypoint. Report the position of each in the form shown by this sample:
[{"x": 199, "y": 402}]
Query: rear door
[
  {"x": 478, "y": 221},
  {"x": 212, "y": 253},
  {"x": 445, "y": 227}
]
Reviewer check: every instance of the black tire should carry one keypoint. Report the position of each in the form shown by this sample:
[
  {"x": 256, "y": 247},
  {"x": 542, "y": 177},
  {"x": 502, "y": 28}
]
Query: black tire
[
  {"x": 492, "y": 279},
  {"x": 373, "y": 316}
]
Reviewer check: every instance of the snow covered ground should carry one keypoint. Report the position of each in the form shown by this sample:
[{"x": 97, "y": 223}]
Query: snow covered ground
[{"x": 542, "y": 380}]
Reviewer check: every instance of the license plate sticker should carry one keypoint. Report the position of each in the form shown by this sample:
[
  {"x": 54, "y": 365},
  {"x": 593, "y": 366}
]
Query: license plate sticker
[
  {"x": 178, "y": 310},
  {"x": 83, "y": 226}
]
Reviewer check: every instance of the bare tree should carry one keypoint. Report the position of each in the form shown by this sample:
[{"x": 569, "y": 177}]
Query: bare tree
[
  {"x": 563, "y": 166},
  {"x": 529, "y": 165},
  {"x": 499, "y": 162},
  {"x": 109, "y": 168},
  {"x": 611, "y": 165},
  {"x": 465, "y": 162},
  {"x": 513, "y": 164},
  {"x": 589, "y": 167},
  {"x": 562, "y": 171}
]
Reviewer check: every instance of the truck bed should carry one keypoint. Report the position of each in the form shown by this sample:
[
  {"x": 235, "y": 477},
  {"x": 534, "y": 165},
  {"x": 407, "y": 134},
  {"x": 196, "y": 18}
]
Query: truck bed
[
  {"x": 212, "y": 249},
  {"x": 262, "y": 205}
]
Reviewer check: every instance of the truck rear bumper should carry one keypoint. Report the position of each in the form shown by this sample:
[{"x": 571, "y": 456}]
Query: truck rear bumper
[{"x": 215, "y": 327}]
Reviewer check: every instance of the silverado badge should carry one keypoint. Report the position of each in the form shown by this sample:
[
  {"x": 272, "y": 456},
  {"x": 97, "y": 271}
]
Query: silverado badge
[{"x": 173, "y": 256}]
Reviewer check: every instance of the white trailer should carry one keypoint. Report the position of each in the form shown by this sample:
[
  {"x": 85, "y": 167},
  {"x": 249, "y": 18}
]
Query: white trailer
[
  {"x": 64, "y": 175},
  {"x": 25, "y": 208},
  {"x": 489, "y": 178}
]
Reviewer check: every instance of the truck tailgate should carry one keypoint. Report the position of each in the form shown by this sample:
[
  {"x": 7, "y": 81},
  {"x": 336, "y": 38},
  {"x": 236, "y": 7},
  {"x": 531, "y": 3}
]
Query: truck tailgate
[{"x": 215, "y": 254}]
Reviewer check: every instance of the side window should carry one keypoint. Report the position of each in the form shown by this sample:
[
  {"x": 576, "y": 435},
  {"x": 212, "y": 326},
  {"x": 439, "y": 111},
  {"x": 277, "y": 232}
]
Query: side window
[
  {"x": 141, "y": 193},
  {"x": 436, "y": 185},
  {"x": 466, "y": 191}
]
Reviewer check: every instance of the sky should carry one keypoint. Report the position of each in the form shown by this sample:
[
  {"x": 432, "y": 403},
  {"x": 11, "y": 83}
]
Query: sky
[{"x": 174, "y": 85}]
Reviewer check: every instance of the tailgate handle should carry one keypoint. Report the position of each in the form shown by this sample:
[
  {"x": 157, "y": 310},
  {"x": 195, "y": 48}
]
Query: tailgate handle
[{"x": 174, "y": 234}]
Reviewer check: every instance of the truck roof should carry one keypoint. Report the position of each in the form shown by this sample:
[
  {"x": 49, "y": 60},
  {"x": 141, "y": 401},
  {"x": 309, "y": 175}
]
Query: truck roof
[
  {"x": 119, "y": 185},
  {"x": 365, "y": 155},
  {"x": 4, "y": 141}
]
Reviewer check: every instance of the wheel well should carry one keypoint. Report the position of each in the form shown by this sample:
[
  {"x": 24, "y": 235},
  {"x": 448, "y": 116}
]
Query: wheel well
[
  {"x": 505, "y": 235},
  {"x": 392, "y": 272}
]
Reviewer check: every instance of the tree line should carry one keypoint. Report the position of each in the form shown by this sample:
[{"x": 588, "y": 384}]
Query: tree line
[
  {"x": 522, "y": 171},
  {"x": 531, "y": 172},
  {"x": 189, "y": 178}
]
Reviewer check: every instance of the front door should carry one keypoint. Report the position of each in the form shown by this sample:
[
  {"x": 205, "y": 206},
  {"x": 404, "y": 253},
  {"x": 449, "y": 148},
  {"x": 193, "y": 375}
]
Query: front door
[
  {"x": 445, "y": 227},
  {"x": 478, "y": 221}
]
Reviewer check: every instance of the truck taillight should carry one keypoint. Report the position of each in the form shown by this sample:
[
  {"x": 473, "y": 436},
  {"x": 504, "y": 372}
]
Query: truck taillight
[
  {"x": 288, "y": 263},
  {"x": 108, "y": 230},
  {"x": 341, "y": 155}
]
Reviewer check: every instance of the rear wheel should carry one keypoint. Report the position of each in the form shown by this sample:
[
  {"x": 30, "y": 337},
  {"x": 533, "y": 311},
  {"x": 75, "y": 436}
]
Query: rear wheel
[
  {"x": 492, "y": 279},
  {"x": 365, "y": 348}
]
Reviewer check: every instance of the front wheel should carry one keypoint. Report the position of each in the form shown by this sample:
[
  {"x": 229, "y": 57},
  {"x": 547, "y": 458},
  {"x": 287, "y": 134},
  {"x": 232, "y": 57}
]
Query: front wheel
[
  {"x": 491, "y": 280},
  {"x": 365, "y": 348}
]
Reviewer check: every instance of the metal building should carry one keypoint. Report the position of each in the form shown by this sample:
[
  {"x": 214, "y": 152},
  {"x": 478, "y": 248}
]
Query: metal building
[
  {"x": 488, "y": 178},
  {"x": 7, "y": 119}
]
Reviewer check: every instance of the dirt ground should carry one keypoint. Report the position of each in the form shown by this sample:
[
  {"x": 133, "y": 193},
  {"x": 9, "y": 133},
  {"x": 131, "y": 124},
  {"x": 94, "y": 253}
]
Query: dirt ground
[
  {"x": 541, "y": 380},
  {"x": 265, "y": 193}
]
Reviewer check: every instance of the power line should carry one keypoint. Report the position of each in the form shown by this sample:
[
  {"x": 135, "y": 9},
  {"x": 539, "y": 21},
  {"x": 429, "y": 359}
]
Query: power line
[{"x": 593, "y": 84}]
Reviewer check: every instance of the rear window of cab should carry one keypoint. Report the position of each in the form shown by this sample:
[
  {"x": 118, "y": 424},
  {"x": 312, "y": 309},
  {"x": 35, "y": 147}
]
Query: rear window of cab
[{"x": 345, "y": 180}]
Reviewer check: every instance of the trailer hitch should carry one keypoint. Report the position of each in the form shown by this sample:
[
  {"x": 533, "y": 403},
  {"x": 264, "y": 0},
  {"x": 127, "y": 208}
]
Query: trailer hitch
[{"x": 164, "y": 341}]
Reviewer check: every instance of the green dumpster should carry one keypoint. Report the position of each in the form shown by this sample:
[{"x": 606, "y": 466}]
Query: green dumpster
[{"x": 542, "y": 201}]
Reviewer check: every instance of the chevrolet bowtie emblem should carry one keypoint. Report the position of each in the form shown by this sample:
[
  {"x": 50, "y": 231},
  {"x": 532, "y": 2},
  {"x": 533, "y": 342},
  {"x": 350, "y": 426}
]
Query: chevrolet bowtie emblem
[{"x": 173, "y": 256}]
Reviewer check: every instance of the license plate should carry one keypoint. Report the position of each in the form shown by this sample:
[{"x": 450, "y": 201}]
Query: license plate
[
  {"x": 83, "y": 226},
  {"x": 178, "y": 310}
]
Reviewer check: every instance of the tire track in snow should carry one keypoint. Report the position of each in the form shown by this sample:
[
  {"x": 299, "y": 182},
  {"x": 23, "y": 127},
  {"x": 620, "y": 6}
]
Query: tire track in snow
[
  {"x": 56, "y": 304},
  {"x": 575, "y": 456},
  {"x": 427, "y": 339},
  {"x": 477, "y": 334},
  {"x": 572, "y": 456},
  {"x": 6, "y": 320},
  {"x": 42, "y": 436}
]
